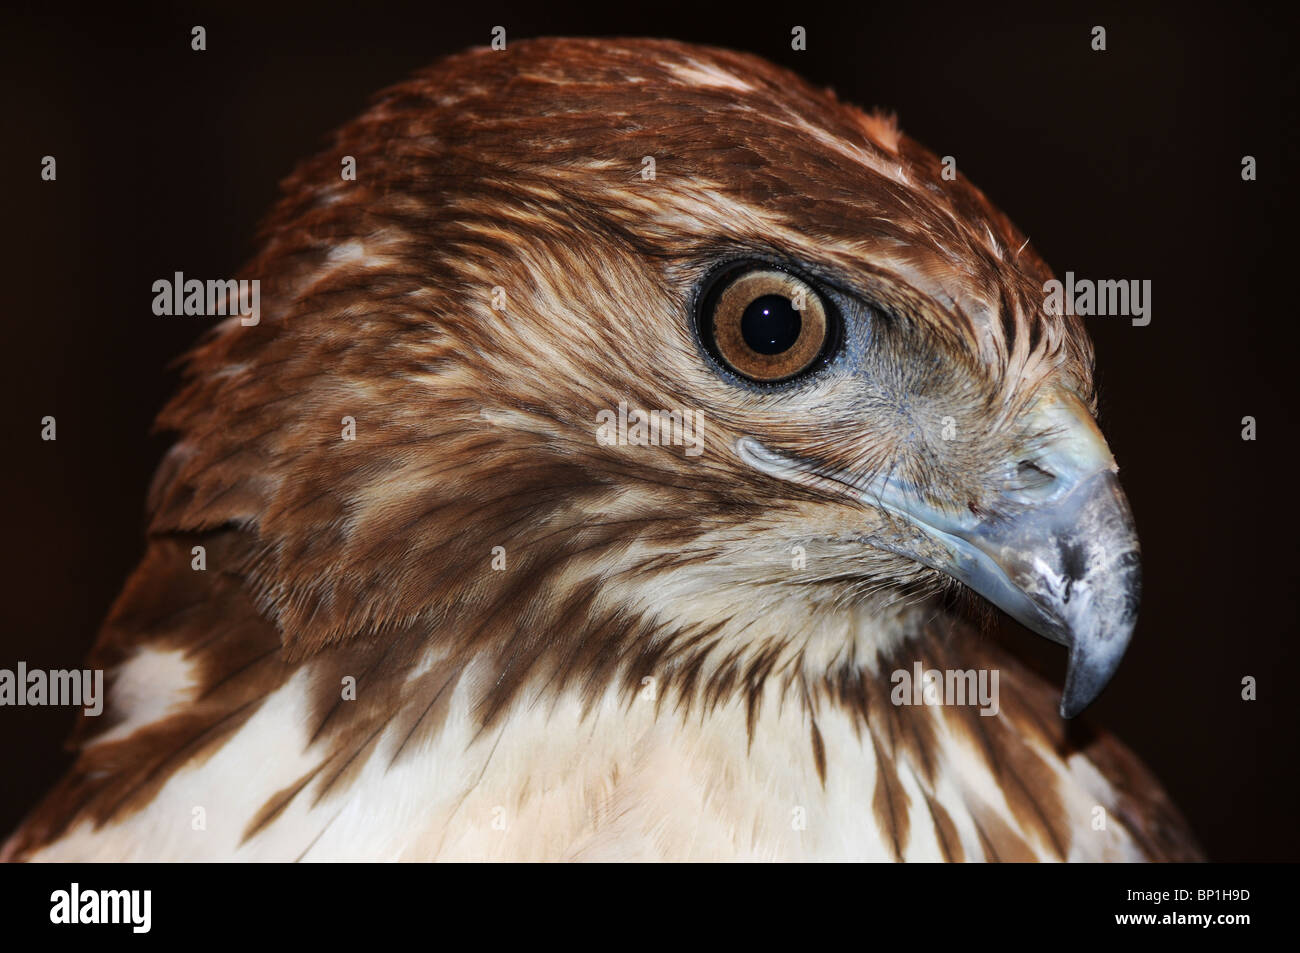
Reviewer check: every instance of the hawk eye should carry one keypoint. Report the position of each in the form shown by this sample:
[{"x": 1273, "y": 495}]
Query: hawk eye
[{"x": 765, "y": 324}]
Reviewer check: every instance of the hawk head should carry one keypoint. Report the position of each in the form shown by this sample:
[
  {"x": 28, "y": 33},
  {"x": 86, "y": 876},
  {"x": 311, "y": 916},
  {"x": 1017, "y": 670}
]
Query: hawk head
[{"x": 661, "y": 362}]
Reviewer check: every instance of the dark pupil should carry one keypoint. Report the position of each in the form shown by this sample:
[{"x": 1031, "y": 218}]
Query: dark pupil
[{"x": 770, "y": 324}]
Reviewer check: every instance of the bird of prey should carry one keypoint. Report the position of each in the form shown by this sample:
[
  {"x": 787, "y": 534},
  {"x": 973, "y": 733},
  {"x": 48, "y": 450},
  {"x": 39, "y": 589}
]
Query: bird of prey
[{"x": 611, "y": 450}]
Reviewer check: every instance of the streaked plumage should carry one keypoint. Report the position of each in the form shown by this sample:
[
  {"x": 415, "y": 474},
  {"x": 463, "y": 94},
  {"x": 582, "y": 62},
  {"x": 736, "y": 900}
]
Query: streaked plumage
[{"x": 648, "y": 677}]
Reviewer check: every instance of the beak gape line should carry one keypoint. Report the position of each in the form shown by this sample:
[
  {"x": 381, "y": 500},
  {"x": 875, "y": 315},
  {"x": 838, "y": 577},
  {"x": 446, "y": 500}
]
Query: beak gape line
[{"x": 1063, "y": 561}]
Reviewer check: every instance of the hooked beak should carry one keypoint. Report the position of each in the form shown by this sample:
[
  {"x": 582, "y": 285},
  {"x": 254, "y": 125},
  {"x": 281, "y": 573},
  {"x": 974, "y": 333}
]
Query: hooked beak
[{"x": 1062, "y": 559}]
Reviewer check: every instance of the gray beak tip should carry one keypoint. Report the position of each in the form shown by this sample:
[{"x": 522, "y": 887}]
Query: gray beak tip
[
  {"x": 1078, "y": 693},
  {"x": 1082, "y": 686},
  {"x": 1093, "y": 662}
]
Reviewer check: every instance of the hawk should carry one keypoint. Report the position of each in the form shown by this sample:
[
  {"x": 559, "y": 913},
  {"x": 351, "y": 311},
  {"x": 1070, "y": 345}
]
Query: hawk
[{"x": 611, "y": 450}]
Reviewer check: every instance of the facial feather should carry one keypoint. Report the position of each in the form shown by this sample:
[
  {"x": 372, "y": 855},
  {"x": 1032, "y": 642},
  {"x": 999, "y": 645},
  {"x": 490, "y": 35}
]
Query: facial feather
[{"x": 596, "y": 267}]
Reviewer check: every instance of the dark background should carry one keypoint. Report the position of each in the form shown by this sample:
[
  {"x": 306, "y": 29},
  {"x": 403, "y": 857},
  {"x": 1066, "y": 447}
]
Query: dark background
[{"x": 1122, "y": 164}]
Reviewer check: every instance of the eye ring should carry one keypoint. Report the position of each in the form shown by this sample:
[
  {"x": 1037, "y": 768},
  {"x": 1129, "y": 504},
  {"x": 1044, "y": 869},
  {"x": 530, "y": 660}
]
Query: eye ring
[{"x": 766, "y": 325}]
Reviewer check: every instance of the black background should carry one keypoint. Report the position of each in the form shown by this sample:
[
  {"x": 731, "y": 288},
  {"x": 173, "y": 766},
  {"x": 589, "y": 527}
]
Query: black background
[{"x": 1120, "y": 164}]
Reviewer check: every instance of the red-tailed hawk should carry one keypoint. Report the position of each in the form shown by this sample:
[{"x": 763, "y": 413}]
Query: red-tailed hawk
[{"x": 595, "y": 485}]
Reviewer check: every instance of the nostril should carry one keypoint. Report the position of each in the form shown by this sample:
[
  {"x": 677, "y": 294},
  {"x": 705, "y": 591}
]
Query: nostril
[{"x": 1031, "y": 475}]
